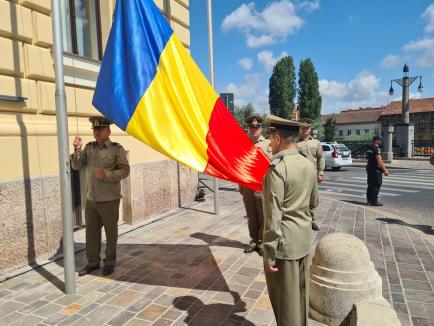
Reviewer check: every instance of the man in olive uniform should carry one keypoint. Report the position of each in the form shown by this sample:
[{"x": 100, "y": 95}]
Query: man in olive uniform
[
  {"x": 253, "y": 199},
  {"x": 311, "y": 149},
  {"x": 290, "y": 193},
  {"x": 106, "y": 164},
  {"x": 375, "y": 168}
]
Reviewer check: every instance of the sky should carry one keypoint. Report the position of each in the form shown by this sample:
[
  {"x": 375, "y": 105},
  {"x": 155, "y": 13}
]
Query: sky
[{"x": 357, "y": 47}]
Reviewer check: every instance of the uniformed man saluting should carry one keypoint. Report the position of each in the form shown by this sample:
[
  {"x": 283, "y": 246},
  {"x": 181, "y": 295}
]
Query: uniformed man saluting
[
  {"x": 290, "y": 192},
  {"x": 106, "y": 164},
  {"x": 253, "y": 199},
  {"x": 311, "y": 149}
]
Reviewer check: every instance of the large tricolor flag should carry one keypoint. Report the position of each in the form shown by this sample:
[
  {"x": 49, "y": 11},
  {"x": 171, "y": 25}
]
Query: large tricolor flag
[{"x": 150, "y": 87}]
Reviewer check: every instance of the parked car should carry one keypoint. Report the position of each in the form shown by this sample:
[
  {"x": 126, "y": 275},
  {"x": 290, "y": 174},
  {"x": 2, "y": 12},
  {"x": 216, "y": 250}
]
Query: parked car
[{"x": 336, "y": 155}]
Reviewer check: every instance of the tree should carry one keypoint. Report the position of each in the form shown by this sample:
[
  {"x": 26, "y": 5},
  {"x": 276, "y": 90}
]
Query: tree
[
  {"x": 282, "y": 88},
  {"x": 309, "y": 98},
  {"x": 242, "y": 112},
  {"x": 330, "y": 130}
]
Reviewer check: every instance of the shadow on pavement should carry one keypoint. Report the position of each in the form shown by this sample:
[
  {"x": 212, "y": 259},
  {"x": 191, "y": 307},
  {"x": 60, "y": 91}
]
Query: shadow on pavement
[
  {"x": 212, "y": 314},
  {"x": 421, "y": 227},
  {"x": 214, "y": 240},
  {"x": 355, "y": 202}
]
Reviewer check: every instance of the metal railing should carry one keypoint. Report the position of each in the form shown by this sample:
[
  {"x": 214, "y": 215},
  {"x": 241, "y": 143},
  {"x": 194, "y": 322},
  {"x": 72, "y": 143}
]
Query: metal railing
[
  {"x": 358, "y": 148},
  {"x": 423, "y": 147}
]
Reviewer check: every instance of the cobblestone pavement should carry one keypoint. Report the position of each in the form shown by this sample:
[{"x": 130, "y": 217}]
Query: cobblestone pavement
[{"x": 189, "y": 268}]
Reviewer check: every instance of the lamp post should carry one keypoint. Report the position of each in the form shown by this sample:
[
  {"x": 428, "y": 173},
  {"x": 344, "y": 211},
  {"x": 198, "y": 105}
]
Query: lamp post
[{"x": 405, "y": 130}]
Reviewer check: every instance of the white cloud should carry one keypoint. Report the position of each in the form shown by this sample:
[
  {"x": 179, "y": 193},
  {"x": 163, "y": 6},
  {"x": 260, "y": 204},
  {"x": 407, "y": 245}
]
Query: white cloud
[
  {"x": 428, "y": 15},
  {"x": 247, "y": 88},
  {"x": 267, "y": 59},
  {"x": 390, "y": 61},
  {"x": 426, "y": 46},
  {"x": 363, "y": 91},
  {"x": 278, "y": 20},
  {"x": 246, "y": 63},
  {"x": 309, "y": 6}
]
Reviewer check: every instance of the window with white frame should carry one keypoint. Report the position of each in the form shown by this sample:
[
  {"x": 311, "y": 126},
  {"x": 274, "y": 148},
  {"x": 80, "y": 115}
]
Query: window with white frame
[
  {"x": 82, "y": 28},
  {"x": 348, "y": 132}
]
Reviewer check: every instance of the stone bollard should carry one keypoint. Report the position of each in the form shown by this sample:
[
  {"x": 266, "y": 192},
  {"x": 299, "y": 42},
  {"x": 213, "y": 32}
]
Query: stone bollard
[{"x": 341, "y": 275}]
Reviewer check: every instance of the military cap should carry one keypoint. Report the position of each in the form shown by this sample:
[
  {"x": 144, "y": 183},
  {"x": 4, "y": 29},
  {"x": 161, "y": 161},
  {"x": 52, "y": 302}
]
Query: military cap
[
  {"x": 377, "y": 137},
  {"x": 277, "y": 123},
  {"x": 306, "y": 121},
  {"x": 254, "y": 120},
  {"x": 99, "y": 122}
]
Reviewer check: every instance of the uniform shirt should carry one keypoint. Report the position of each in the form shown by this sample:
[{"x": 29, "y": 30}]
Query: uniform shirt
[
  {"x": 264, "y": 144},
  {"x": 312, "y": 150},
  {"x": 371, "y": 154},
  {"x": 290, "y": 193},
  {"x": 112, "y": 157}
]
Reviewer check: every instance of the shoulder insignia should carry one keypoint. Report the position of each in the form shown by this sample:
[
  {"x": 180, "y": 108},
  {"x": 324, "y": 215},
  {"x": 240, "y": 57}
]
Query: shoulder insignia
[
  {"x": 90, "y": 143},
  {"x": 276, "y": 161},
  {"x": 116, "y": 144}
]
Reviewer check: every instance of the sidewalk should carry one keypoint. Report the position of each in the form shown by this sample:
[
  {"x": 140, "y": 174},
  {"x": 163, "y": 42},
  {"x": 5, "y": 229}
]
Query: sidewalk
[
  {"x": 189, "y": 269},
  {"x": 415, "y": 163}
]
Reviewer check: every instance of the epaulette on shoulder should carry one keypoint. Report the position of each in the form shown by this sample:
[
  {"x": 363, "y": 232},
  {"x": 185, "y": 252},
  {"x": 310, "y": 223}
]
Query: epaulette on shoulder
[
  {"x": 276, "y": 161},
  {"x": 116, "y": 144},
  {"x": 91, "y": 143}
]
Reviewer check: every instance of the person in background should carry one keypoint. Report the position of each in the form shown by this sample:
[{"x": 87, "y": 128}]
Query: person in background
[
  {"x": 253, "y": 199},
  {"x": 375, "y": 168},
  {"x": 311, "y": 149}
]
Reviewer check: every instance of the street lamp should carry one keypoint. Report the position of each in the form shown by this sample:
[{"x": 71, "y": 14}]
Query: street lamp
[
  {"x": 405, "y": 83},
  {"x": 404, "y": 131}
]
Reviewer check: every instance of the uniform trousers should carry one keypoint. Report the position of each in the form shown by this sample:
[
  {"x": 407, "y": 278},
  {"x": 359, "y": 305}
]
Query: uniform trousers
[
  {"x": 375, "y": 179},
  {"x": 97, "y": 215},
  {"x": 255, "y": 214},
  {"x": 288, "y": 291}
]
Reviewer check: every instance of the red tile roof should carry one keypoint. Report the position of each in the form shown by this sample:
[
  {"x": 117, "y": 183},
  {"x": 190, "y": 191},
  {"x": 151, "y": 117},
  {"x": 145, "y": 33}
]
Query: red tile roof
[
  {"x": 355, "y": 116},
  {"x": 416, "y": 106}
]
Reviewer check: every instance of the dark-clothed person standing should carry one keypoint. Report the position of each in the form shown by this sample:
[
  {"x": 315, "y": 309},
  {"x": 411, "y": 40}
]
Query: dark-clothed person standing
[
  {"x": 253, "y": 199},
  {"x": 290, "y": 195},
  {"x": 106, "y": 164},
  {"x": 375, "y": 169},
  {"x": 311, "y": 149}
]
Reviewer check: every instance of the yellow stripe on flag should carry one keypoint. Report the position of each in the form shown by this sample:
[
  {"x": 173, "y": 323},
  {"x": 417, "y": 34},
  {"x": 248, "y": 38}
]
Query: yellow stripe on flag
[{"x": 173, "y": 114}]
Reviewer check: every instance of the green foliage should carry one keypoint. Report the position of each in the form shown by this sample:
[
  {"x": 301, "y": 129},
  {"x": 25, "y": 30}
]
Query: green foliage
[
  {"x": 242, "y": 112},
  {"x": 282, "y": 88},
  {"x": 330, "y": 130},
  {"x": 364, "y": 137},
  {"x": 309, "y": 98}
]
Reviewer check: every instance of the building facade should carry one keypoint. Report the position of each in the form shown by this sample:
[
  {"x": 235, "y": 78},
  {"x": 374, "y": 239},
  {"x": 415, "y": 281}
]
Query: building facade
[
  {"x": 356, "y": 123},
  {"x": 29, "y": 182},
  {"x": 421, "y": 115}
]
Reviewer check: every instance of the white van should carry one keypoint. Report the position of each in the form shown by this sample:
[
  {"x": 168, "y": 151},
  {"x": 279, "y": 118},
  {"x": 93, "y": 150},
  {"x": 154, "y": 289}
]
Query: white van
[{"x": 336, "y": 155}]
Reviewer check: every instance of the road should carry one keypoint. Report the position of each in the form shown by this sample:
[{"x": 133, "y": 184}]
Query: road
[{"x": 408, "y": 193}]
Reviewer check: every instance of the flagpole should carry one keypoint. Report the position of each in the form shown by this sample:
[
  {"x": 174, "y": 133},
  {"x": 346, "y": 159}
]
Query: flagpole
[
  {"x": 63, "y": 152},
  {"x": 211, "y": 70}
]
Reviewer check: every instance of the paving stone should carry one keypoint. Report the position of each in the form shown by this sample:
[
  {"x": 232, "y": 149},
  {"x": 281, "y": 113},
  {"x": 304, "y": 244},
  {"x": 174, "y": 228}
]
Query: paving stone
[
  {"x": 99, "y": 316},
  {"x": 88, "y": 309},
  {"x": 10, "y": 318},
  {"x": 72, "y": 309},
  {"x": 33, "y": 306},
  {"x": 416, "y": 285},
  {"x": 260, "y": 316},
  {"x": 9, "y": 307},
  {"x": 138, "y": 322},
  {"x": 55, "y": 319},
  {"x": 70, "y": 320},
  {"x": 171, "y": 314},
  {"x": 400, "y": 308},
  {"x": 398, "y": 297},
  {"x": 417, "y": 321},
  {"x": 125, "y": 298},
  {"x": 424, "y": 310},
  {"x": 139, "y": 305},
  {"x": 48, "y": 310},
  {"x": 27, "y": 320},
  {"x": 419, "y": 296},
  {"x": 121, "y": 319},
  {"x": 152, "y": 312}
]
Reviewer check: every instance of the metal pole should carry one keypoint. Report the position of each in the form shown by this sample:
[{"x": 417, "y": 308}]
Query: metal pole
[
  {"x": 405, "y": 100},
  {"x": 63, "y": 150},
  {"x": 211, "y": 70}
]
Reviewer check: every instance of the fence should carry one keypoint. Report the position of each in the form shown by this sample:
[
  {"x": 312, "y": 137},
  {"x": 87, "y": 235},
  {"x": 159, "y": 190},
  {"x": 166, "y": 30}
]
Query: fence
[
  {"x": 423, "y": 147},
  {"x": 358, "y": 149}
]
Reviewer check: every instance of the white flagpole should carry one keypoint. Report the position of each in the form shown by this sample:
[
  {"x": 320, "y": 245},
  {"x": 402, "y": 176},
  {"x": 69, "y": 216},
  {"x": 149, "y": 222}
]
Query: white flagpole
[
  {"x": 63, "y": 150},
  {"x": 211, "y": 69}
]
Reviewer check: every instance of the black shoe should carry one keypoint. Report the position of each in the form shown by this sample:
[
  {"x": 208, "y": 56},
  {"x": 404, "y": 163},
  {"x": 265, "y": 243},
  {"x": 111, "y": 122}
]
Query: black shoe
[
  {"x": 369, "y": 203},
  {"x": 249, "y": 250},
  {"x": 376, "y": 203},
  {"x": 107, "y": 270},
  {"x": 87, "y": 270},
  {"x": 315, "y": 227}
]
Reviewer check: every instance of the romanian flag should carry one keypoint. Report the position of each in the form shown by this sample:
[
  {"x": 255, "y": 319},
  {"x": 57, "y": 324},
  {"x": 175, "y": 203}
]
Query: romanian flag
[{"x": 150, "y": 87}]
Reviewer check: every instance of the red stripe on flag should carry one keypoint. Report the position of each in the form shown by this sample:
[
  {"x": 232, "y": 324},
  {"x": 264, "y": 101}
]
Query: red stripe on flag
[{"x": 231, "y": 154}]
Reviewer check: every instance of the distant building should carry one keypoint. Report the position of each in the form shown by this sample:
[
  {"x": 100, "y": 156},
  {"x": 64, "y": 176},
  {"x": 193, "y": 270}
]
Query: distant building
[
  {"x": 421, "y": 115},
  {"x": 356, "y": 122}
]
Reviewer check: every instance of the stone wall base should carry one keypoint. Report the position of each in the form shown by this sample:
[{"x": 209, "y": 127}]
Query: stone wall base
[{"x": 31, "y": 218}]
